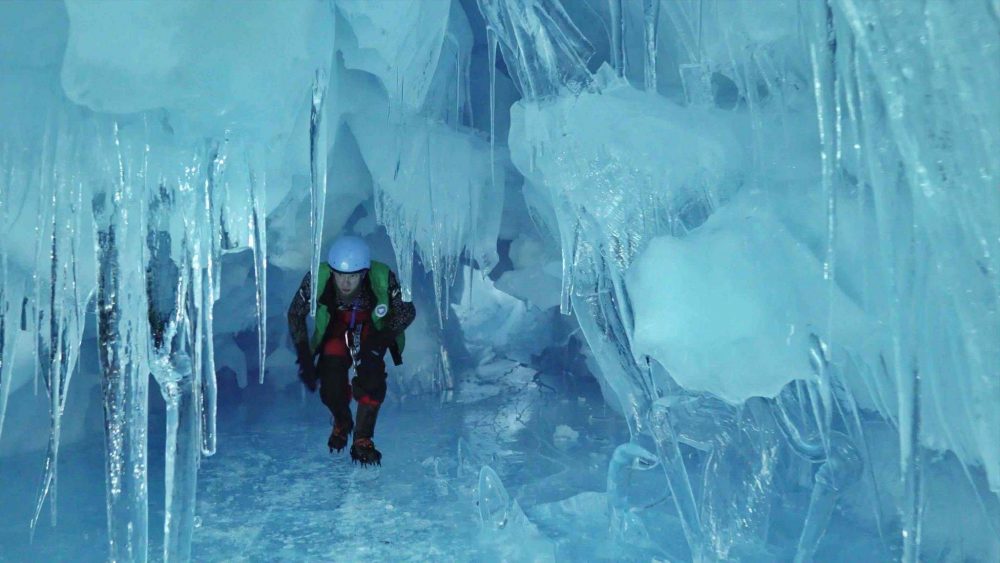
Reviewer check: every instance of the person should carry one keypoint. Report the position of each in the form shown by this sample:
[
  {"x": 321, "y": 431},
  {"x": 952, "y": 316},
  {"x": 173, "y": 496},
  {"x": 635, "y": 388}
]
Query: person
[{"x": 360, "y": 314}]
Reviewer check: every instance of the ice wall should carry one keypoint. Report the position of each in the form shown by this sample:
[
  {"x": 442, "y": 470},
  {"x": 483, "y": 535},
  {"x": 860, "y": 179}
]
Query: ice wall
[
  {"x": 143, "y": 142},
  {"x": 131, "y": 165},
  {"x": 859, "y": 206}
]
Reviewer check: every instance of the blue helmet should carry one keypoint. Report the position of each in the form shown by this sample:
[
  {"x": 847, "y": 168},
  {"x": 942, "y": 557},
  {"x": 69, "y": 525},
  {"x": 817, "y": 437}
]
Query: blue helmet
[{"x": 349, "y": 254}]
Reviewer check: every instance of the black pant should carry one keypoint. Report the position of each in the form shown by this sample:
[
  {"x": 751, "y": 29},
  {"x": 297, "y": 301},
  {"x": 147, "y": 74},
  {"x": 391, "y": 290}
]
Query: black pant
[{"x": 335, "y": 390}]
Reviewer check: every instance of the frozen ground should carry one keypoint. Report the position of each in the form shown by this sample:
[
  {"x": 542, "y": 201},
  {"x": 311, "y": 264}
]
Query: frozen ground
[{"x": 274, "y": 493}]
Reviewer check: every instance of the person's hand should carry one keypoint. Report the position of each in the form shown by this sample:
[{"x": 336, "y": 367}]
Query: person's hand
[
  {"x": 308, "y": 376},
  {"x": 307, "y": 370}
]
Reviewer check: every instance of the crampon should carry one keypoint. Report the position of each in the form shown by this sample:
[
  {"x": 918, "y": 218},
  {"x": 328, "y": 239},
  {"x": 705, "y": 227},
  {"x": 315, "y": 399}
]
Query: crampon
[{"x": 363, "y": 451}]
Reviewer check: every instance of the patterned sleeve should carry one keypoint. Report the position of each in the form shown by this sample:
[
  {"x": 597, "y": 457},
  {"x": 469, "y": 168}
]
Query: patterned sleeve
[
  {"x": 401, "y": 313},
  {"x": 297, "y": 313}
]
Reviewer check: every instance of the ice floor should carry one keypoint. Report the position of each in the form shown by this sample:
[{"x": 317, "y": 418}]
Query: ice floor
[{"x": 274, "y": 493}]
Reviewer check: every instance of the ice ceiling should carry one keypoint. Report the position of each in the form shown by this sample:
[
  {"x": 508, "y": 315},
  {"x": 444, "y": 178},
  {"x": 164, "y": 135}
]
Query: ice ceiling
[{"x": 771, "y": 221}]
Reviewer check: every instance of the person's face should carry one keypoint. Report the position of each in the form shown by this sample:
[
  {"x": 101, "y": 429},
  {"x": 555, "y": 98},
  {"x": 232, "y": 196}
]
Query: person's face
[{"x": 347, "y": 283}]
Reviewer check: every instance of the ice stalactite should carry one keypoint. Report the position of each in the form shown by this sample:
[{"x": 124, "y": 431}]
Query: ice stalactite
[
  {"x": 258, "y": 245},
  {"x": 185, "y": 243},
  {"x": 599, "y": 240},
  {"x": 544, "y": 50},
  {"x": 61, "y": 309},
  {"x": 208, "y": 233},
  {"x": 134, "y": 213},
  {"x": 924, "y": 132},
  {"x": 182, "y": 456},
  {"x": 6, "y": 349},
  {"x": 619, "y": 53},
  {"x": 164, "y": 231},
  {"x": 620, "y": 32},
  {"x": 123, "y": 336},
  {"x": 901, "y": 155},
  {"x": 651, "y": 24},
  {"x": 687, "y": 19},
  {"x": 318, "y": 146},
  {"x": 433, "y": 196},
  {"x": 388, "y": 215},
  {"x": 822, "y": 55},
  {"x": 171, "y": 304},
  {"x": 491, "y": 49},
  {"x": 678, "y": 479}
]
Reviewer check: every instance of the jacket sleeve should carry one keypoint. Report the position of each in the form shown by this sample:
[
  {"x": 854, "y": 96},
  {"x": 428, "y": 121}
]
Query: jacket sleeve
[
  {"x": 297, "y": 313},
  {"x": 401, "y": 313}
]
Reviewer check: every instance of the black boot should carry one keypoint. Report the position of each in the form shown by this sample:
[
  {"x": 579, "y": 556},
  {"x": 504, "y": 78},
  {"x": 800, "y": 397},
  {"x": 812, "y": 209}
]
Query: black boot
[
  {"x": 363, "y": 449},
  {"x": 339, "y": 434}
]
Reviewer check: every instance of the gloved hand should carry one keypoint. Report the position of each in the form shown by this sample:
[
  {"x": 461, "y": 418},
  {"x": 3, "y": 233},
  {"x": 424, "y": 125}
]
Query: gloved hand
[{"x": 307, "y": 370}]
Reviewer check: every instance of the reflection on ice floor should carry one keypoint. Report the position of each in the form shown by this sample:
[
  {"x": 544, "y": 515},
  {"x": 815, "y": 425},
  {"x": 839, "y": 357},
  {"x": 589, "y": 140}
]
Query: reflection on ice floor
[{"x": 273, "y": 492}]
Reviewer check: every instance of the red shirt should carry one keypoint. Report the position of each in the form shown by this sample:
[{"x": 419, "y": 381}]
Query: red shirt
[{"x": 340, "y": 331}]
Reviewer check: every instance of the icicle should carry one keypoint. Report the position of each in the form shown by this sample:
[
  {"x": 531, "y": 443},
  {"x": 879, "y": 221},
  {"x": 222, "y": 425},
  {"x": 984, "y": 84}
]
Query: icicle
[
  {"x": 60, "y": 336},
  {"x": 677, "y": 479},
  {"x": 912, "y": 460},
  {"x": 258, "y": 244},
  {"x": 122, "y": 328},
  {"x": 569, "y": 245},
  {"x": 41, "y": 261},
  {"x": 822, "y": 50},
  {"x": 458, "y": 82},
  {"x": 179, "y": 378},
  {"x": 544, "y": 50},
  {"x": 651, "y": 17},
  {"x": 617, "y": 36},
  {"x": 467, "y": 112},
  {"x": 46, "y": 363},
  {"x": 182, "y": 454},
  {"x": 6, "y": 354},
  {"x": 492, "y": 48},
  {"x": 209, "y": 385},
  {"x": 203, "y": 238},
  {"x": 317, "y": 168},
  {"x": 203, "y": 388}
]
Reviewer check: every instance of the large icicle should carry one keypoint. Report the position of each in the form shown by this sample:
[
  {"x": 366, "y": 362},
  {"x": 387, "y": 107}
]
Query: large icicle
[
  {"x": 318, "y": 175},
  {"x": 207, "y": 265},
  {"x": 651, "y": 22},
  {"x": 258, "y": 245},
  {"x": 822, "y": 52},
  {"x": 60, "y": 318},
  {"x": 181, "y": 355},
  {"x": 185, "y": 365},
  {"x": 6, "y": 353},
  {"x": 618, "y": 51},
  {"x": 123, "y": 334},
  {"x": 543, "y": 48},
  {"x": 183, "y": 451}
]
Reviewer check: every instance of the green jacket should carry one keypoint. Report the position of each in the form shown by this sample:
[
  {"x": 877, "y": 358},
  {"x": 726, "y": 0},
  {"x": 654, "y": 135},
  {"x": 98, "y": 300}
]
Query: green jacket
[{"x": 378, "y": 280}]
